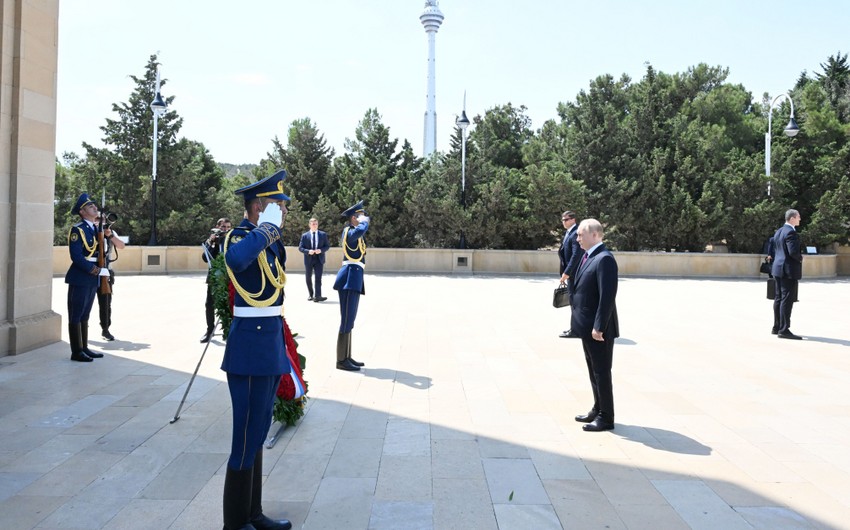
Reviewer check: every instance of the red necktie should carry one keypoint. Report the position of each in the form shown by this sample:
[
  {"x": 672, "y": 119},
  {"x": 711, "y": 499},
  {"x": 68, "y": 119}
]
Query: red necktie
[{"x": 583, "y": 259}]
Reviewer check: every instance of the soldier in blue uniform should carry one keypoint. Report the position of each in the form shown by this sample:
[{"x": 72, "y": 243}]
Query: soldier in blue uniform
[
  {"x": 83, "y": 277},
  {"x": 349, "y": 282},
  {"x": 255, "y": 356}
]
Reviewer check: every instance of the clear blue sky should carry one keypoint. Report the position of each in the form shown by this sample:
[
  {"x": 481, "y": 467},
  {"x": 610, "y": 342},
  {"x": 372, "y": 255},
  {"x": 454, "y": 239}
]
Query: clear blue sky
[{"x": 242, "y": 71}]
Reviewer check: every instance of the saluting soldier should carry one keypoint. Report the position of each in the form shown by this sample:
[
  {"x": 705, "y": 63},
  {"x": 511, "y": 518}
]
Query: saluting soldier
[
  {"x": 83, "y": 276},
  {"x": 255, "y": 356},
  {"x": 349, "y": 282}
]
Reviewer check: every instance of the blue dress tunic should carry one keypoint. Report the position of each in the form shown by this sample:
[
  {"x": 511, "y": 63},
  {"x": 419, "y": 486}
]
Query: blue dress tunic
[{"x": 255, "y": 356}]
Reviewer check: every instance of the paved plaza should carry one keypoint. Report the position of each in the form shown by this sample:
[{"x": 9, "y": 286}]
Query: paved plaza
[{"x": 463, "y": 417}]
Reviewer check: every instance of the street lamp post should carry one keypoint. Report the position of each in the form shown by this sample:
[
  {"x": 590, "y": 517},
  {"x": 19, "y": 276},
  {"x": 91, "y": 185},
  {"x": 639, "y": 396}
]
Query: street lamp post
[
  {"x": 463, "y": 123},
  {"x": 158, "y": 107},
  {"x": 791, "y": 130}
]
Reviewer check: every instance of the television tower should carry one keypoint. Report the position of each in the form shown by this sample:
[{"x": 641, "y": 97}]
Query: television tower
[{"x": 431, "y": 18}]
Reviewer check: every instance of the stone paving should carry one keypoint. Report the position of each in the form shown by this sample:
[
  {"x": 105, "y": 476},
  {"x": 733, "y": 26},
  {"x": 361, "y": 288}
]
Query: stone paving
[{"x": 463, "y": 417}]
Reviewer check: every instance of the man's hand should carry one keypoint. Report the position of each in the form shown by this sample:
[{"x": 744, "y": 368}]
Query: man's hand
[
  {"x": 564, "y": 278},
  {"x": 317, "y": 251},
  {"x": 272, "y": 215},
  {"x": 361, "y": 218},
  {"x": 103, "y": 272},
  {"x": 597, "y": 335}
]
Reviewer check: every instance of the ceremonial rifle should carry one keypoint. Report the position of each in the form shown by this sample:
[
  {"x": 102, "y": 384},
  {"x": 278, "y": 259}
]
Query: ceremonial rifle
[{"x": 105, "y": 288}]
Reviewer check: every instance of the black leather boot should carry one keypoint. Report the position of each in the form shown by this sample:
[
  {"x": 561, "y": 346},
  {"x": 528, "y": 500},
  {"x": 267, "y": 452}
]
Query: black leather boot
[
  {"x": 84, "y": 333},
  {"x": 237, "y": 499},
  {"x": 258, "y": 520},
  {"x": 76, "y": 341},
  {"x": 348, "y": 354},
  {"x": 342, "y": 360}
]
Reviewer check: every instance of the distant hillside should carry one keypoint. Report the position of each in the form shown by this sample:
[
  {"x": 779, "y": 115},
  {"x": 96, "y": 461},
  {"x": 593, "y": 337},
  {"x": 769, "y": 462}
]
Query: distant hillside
[{"x": 231, "y": 170}]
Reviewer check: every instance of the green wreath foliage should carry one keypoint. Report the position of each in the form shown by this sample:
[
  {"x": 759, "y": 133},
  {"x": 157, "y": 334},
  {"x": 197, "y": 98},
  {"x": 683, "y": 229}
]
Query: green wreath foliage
[{"x": 221, "y": 295}]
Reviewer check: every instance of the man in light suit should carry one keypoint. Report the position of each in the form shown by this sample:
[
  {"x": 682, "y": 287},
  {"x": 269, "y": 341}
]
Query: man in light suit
[
  {"x": 594, "y": 319},
  {"x": 786, "y": 256},
  {"x": 314, "y": 244},
  {"x": 570, "y": 254}
]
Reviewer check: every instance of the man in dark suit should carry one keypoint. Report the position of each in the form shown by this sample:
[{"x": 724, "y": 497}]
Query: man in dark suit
[
  {"x": 594, "y": 319},
  {"x": 570, "y": 253},
  {"x": 786, "y": 256},
  {"x": 314, "y": 244}
]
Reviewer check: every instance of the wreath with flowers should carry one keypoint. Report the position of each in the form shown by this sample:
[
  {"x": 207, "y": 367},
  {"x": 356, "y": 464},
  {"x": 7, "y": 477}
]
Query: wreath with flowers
[{"x": 290, "y": 399}]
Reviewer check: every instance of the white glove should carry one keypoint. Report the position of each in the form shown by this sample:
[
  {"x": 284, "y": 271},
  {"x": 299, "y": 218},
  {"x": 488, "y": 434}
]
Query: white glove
[
  {"x": 272, "y": 214},
  {"x": 362, "y": 218},
  {"x": 103, "y": 272}
]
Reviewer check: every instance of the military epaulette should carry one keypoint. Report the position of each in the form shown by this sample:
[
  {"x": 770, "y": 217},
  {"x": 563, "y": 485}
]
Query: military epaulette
[{"x": 237, "y": 234}]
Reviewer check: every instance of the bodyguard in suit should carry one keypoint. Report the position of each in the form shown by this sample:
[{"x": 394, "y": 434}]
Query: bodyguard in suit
[
  {"x": 349, "y": 282},
  {"x": 83, "y": 276},
  {"x": 786, "y": 256},
  {"x": 314, "y": 244},
  {"x": 255, "y": 355},
  {"x": 594, "y": 319},
  {"x": 570, "y": 252}
]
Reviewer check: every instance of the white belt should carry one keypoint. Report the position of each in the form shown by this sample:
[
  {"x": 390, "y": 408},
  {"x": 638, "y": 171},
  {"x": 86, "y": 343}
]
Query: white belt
[
  {"x": 93, "y": 260},
  {"x": 354, "y": 263},
  {"x": 255, "y": 312}
]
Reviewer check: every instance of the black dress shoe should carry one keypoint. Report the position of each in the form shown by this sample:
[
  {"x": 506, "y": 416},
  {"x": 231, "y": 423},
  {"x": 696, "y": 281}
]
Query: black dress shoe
[
  {"x": 789, "y": 335},
  {"x": 568, "y": 335},
  {"x": 265, "y": 523},
  {"x": 347, "y": 365},
  {"x": 598, "y": 425},
  {"x": 587, "y": 418},
  {"x": 774, "y": 331},
  {"x": 356, "y": 363},
  {"x": 320, "y": 299},
  {"x": 93, "y": 354},
  {"x": 107, "y": 335},
  {"x": 310, "y": 299},
  {"x": 81, "y": 357},
  {"x": 206, "y": 337}
]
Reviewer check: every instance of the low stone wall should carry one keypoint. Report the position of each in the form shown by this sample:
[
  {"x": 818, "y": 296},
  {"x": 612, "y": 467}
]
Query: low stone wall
[{"x": 182, "y": 260}]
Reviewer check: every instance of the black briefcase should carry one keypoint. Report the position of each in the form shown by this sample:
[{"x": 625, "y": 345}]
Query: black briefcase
[
  {"x": 771, "y": 290},
  {"x": 561, "y": 298}
]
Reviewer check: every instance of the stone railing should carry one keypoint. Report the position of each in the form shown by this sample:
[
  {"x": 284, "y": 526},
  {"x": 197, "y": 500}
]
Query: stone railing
[{"x": 182, "y": 260}]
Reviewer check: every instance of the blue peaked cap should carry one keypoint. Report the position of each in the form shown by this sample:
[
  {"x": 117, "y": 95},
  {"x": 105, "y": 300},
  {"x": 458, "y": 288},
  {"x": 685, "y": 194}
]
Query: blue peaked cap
[
  {"x": 81, "y": 203},
  {"x": 353, "y": 210},
  {"x": 269, "y": 188}
]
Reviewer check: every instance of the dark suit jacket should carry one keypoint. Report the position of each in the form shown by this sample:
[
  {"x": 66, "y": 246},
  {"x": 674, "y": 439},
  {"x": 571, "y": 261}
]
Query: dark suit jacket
[
  {"x": 570, "y": 253},
  {"x": 306, "y": 245},
  {"x": 787, "y": 254},
  {"x": 593, "y": 301}
]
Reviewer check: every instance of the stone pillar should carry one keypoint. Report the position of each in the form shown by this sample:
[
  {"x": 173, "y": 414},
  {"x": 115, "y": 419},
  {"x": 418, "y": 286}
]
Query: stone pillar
[{"x": 28, "y": 57}]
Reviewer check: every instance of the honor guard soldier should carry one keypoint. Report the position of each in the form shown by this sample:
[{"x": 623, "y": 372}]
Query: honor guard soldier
[
  {"x": 83, "y": 277},
  {"x": 255, "y": 356},
  {"x": 349, "y": 282}
]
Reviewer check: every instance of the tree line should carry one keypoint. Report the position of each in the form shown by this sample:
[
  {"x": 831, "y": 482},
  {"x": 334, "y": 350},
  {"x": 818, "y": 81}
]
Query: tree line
[{"x": 671, "y": 162}]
